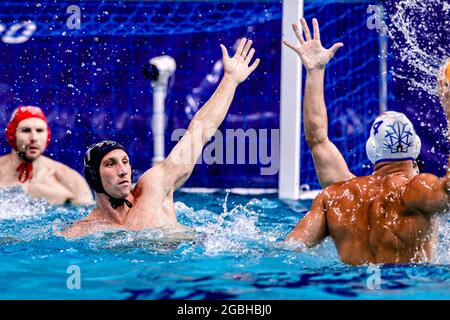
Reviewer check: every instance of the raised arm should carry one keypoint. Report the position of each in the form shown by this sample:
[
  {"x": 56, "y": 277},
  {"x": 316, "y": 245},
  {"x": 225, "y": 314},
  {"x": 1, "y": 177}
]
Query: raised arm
[
  {"x": 328, "y": 161},
  {"x": 428, "y": 193},
  {"x": 179, "y": 164},
  {"x": 312, "y": 229}
]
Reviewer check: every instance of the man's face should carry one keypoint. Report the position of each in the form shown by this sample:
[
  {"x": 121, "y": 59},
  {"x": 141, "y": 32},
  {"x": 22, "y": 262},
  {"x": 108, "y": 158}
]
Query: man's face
[
  {"x": 31, "y": 138},
  {"x": 115, "y": 172}
]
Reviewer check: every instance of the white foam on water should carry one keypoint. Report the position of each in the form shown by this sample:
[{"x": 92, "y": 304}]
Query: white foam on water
[
  {"x": 443, "y": 245},
  {"x": 16, "y": 204},
  {"x": 231, "y": 231},
  {"x": 234, "y": 230}
]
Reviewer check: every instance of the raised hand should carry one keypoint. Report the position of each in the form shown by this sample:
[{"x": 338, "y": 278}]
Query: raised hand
[
  {"x": 237, "y": 67},
  {"x": 311, "y": 51}
]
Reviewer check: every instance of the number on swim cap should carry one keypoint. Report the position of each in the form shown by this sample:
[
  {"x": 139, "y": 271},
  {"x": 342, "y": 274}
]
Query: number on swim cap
[{"x": 376, "y": 125}]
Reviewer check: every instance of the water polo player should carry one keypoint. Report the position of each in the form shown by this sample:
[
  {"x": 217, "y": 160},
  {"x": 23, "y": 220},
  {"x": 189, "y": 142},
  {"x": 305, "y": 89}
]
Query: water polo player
[
  {"x": 39, "y": 176},
  {"x": 150, "y": 203},
  {"x": 386, "y": 217}
]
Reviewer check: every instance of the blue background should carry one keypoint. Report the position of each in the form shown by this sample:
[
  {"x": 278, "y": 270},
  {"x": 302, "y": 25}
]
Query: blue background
[{"x": 90, "y": 83}]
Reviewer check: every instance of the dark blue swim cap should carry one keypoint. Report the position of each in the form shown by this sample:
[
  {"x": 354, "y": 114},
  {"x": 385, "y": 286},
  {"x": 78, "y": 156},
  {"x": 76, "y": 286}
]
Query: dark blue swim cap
[{"x": 92, "y": 160}]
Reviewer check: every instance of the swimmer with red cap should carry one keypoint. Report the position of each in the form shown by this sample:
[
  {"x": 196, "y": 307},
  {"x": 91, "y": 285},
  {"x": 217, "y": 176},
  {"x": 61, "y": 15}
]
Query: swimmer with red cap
[
  {"x": 150, "y": 204},
  {"x": 29, "y": 135}
]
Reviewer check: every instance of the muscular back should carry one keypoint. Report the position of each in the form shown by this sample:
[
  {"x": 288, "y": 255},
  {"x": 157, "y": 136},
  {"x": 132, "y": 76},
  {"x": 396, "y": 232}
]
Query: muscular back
[{"x": 370, "y": 223}]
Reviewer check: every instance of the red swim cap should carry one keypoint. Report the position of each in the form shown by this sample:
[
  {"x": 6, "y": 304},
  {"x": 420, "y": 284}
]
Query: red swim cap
[{"x": 22, "y": 113}]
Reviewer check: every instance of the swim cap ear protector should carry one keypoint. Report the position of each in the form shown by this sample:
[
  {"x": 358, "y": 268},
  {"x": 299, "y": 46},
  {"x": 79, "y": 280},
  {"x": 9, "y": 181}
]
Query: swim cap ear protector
[
  {"x": 392, "y": 138},
  {"x": 92, "y": 160}
]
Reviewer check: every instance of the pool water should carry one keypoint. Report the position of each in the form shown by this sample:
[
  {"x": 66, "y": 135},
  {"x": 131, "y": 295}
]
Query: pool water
[{"x": 236, "y": 256}]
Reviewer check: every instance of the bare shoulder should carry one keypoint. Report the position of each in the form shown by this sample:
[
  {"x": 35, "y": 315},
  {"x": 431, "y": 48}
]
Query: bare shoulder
[
  {"x": 421, "y": 186},
  {"x": 61, "y": 169},
  {"x": 66, "y": 175},
  {"x": 4, "y": 159},
  {"x": 71, "y": 180},
  {"x": 88, "y": 225},
  {"x": 5, "y": 162},
  {"x": 427, "y": 193},
  {"x": 153, "y": 179},
  {"x": 353, "y": 185},
  {"x": 6, "y": 171},
  {"x": 78, "y": 229},
  {"x": 423, "y": 180}
]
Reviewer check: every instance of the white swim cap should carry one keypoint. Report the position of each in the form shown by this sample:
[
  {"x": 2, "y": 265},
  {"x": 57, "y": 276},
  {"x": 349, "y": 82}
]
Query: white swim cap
[{"x": 392, "y": 138}]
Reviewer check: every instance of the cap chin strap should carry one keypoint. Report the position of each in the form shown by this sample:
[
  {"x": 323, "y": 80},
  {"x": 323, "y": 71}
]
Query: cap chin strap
[
  {"x": 25, "y": 168},
  {"x": 116, "y": 202}
]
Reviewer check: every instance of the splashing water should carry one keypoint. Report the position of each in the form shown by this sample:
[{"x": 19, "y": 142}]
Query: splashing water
[
  {"x": 236, "y": 255},
  {"x": 234, "y": 231},
  {"x": 17, "y": 205},
  {"x": 419, "y": 31},
  {"x": 443, "y": 244}
]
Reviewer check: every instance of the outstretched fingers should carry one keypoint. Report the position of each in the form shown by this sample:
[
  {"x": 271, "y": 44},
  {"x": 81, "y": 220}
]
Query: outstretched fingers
[
  {"x": 316, "y": 29},
  {"x": 298, "y": 34},
  {"x": 254, "y": 65},
  {"x": 336, "y": 47},
  {"x": 249, "y": 57},
  {"x": 224, "y": 51},
  {"x": 290, "y": 45},
  {"x": 240, "y": 47},
  {"x": 305, "y": 29},
  {"x": 247, "y": 47}
]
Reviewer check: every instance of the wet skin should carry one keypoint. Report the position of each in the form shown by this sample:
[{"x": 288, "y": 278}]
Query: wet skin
[
  {"x": 386, "y": 217},
  {"x": 51, "y": 180},
  {"x": 152, "y": 197}
]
